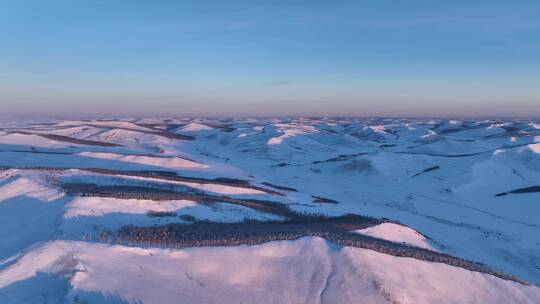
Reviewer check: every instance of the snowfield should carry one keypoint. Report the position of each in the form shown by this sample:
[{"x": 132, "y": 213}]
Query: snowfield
[{"x": 461, "y": 192}]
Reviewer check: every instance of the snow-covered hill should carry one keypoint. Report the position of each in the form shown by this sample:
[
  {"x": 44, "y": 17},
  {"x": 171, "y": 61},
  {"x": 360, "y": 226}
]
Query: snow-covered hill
[{"x": 307, "y": 270}]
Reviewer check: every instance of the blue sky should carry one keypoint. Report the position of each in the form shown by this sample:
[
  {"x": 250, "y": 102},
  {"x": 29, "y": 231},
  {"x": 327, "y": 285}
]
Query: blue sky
[{"x": 264, "y": 58}]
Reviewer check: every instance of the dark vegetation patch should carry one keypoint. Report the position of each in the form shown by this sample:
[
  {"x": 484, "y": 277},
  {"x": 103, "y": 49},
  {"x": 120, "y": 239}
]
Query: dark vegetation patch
[
  {"x": 173, "y": 176},
  {"x": 427, "y": 170},
  {"x": 187, "y": 217},
  {"x": 359, "y": 165},
  {"x": 153, "y": 131},
  {"x": 159, "y": 156},
  {"x": 284, "y": 188},
  {"x": 157, "y": 129},
  {"x": 152, "y": 213},
  {"x": 453, "y": 130},
  {"x": 70, "y": 139},
  {"x": 171, "y": 126},
  {"x": 35, "y": 150},
  {"x": 323, "y": 200},
  {"x": 163, "y": 175},
  {"x": 223, "y": 127},
  {"x": 205, "y": 233},
  {"x": 174, "y": 193},
  {"x": 333, "y": 229},
  {"x": 343, "y": 157},
  {"x": 531, "y": 189},
  {"x": 229, "y": 180},
  {"x": 156, "y": 126},
  {"x": 207, "y": 154},
  {"x": 172, "y": 135},
  {"x": 440, "y": 155}
]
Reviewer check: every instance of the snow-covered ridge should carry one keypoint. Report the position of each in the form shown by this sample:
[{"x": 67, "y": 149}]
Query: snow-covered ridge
[
  {"x": 308, "y": 270},
  {"x": 194, "y": 127},
  {"x": 165, "y": 162}
]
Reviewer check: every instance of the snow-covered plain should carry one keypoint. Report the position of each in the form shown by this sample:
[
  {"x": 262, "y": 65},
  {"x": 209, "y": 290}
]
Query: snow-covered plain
[{"x": 467, "y": 188}]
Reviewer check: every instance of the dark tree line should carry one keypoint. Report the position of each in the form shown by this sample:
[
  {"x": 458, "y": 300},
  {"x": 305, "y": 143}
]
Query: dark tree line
[
  {"x": 530, "y": 189},
  {"x": 173, "y": 192},
  {"x": 173, "y": 176},
  {"x": 70, "y": 139},
  {"x": 152, "y": 213},
  {"x": 284, "y": 188},
  {"x": 323, "y": 200},
  {"x": 156, "y": 174},
  {"x": 333, "y": 229}
]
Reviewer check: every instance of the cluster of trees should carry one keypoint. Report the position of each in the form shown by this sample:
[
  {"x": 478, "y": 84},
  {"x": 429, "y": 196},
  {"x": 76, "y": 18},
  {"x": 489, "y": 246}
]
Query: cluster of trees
[
  {"x": 342, "y": 157},
  {"x": 187, "y": 217},
  {"x": 125, "y": 191},
  {"x": 70, "y": 139},
  {"x": 152, "y": 213},
  {"x": 206, "y": 233},
  {"x": 155, "y": 131},
  {"x": 163, "y": 175},
  {"x": 323, "y": 200},
  {"x": 427, "y": 170},
  {"x": 530, "y": 189},
  {"x": 333, "y": 229},
  {"x": 172, "y": 135},
  {"x": 161, "y": 192},
  {"x": 173, "y": 176},
  {"x": 284, "y": 188}
]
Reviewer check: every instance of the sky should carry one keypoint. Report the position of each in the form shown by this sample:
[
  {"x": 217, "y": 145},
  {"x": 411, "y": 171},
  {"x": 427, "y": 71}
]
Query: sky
[{"x": 270, "y": 58}]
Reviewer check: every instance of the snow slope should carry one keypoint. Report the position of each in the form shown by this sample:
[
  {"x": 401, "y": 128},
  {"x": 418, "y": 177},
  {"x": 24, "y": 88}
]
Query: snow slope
[
  {"x": 308, "y": 270},
  {"x": 397, "y": 233}
]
